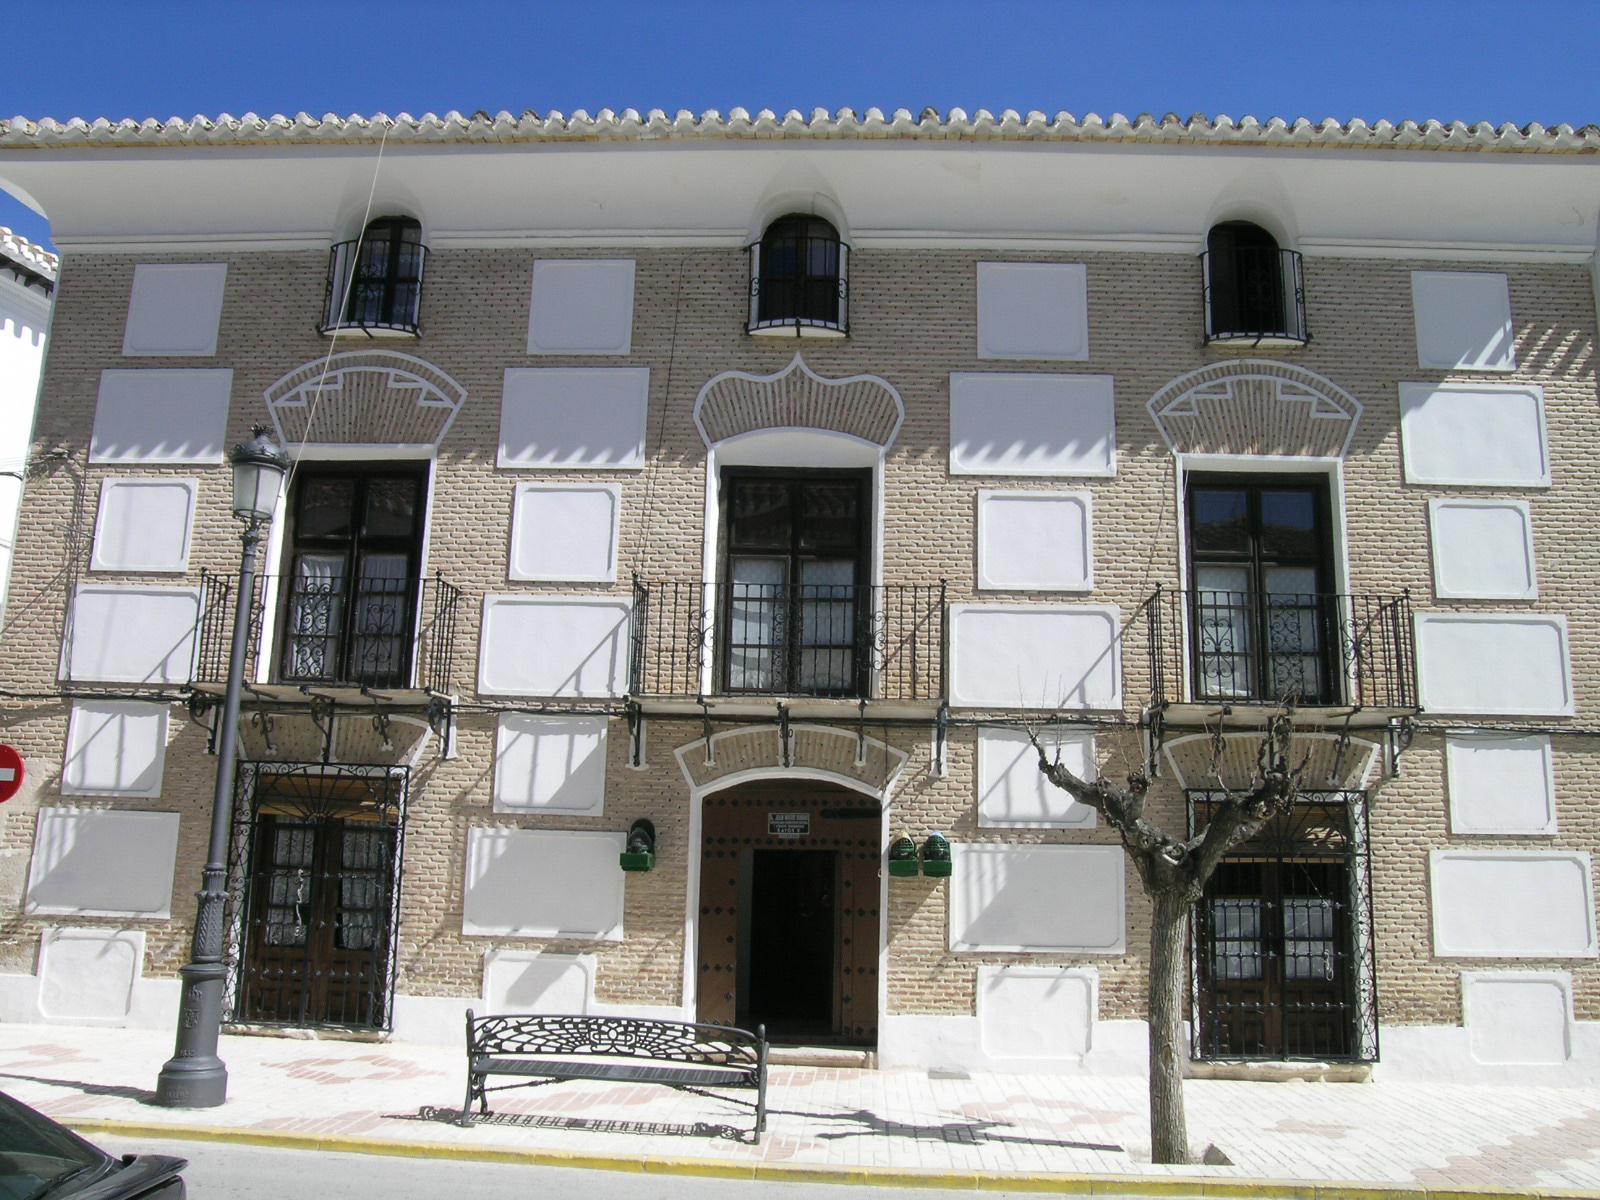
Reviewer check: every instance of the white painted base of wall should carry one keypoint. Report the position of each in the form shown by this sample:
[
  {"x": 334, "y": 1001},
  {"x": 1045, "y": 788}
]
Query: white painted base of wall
[
  {"x": 956, "y": 1044},
  {"x": 1443, "y": 1054},
  {"x": 153, "y": 1004}
]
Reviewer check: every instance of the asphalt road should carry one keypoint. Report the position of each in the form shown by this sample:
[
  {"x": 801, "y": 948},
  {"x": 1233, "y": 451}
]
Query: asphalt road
[{"x": 222, "y": 1171}]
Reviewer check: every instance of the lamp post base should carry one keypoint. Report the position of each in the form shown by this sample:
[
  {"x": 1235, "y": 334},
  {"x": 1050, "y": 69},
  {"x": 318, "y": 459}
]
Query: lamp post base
[{"x": 192, "y": 1083}]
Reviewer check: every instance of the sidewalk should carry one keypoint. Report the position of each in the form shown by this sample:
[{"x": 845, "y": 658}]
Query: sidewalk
[{"x": 998, "y": 1132}]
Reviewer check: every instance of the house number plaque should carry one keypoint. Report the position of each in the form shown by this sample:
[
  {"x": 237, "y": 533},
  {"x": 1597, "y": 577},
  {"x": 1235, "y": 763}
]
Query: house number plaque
[{"x": 789, "y": 825}]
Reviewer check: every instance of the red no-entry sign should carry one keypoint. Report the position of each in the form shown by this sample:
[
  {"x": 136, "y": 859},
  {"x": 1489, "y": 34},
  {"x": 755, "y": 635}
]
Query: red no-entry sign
[{"x": 10, "y": 773}]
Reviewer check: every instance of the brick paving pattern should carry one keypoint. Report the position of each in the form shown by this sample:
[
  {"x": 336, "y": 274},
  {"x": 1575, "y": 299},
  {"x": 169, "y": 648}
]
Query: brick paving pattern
[{"x": 1433, "y": 1136}]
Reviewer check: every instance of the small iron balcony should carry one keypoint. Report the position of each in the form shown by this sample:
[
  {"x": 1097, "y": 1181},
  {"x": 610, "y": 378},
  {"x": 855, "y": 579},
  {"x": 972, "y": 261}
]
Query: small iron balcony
[
  {"x": 1254, "y": 294},
  {"x": 336, "y": 632},
  {"x": 375, "y": 287},
  {"x": 1220, "y": 649},
  {"x": 841, "y": 640}
]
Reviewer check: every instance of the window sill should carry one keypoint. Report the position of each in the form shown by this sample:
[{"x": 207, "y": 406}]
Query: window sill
[
  {"x": 796, "y": 329},
  {"x": 408, "y": 332},
  {"x": 1251, "y": 341}
]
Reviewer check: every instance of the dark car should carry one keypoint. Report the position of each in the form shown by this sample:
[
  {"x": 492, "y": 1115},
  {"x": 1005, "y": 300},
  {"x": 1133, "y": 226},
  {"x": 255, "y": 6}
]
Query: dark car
[{"x": 40, "y": 1160}]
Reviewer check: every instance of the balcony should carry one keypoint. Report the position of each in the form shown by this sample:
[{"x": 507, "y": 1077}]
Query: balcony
[
  {"x": 1328, "y": 656},
  {"x": 824, "y": 641},
  {"x": 374, "y": 288},
  {"x": 369, "y": 634},
  {"x": 1255, "y": 295},
  {"x": 799, "y": 286}
]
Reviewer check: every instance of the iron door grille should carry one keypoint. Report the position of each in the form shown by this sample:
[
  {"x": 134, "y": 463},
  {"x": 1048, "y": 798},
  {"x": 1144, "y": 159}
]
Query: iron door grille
[
  {"x": 315, "y": 884},
  {"x": 1282, "y": 964}
]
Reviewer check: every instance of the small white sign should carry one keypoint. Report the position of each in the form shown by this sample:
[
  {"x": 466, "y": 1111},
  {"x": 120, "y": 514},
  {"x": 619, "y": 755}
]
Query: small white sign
[{"x": 789, "y": 825}]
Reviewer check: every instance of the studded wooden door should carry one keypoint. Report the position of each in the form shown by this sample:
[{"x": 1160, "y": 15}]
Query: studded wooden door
[{"x": 810, "y": 849}]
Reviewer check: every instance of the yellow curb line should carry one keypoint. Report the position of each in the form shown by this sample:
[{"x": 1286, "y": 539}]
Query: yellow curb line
[{"x": 987, "y": 1181}]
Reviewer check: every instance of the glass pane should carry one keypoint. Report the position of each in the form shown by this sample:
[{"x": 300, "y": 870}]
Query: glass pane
[
  {"x": 1219, "y": 521},
  {"x": 1308, "y": 960},
  {"x": 759, "y": 517},
  {"x": 830, "y": 516},
  {"x": 1224, "y": 631},
  {"x": 1293, "y": 618},
  {"x": 1308, "y": 918},
  {"x": 391, "y": 508},
  {"x": 1289, "y": 524},
  {"x": 324, "y": 508},
  {"x": 382, "y": 600},
  {"x": 316, "y": 614}
]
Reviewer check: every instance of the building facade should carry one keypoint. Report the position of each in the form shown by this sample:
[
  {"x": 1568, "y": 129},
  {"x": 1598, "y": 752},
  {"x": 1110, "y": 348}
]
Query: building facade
[
  {"x": 27, "y": 285},
  {"x": 731, "y": 497}
]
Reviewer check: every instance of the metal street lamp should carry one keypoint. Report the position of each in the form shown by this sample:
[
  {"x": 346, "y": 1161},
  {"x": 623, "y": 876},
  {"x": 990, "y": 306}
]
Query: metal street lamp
[{"x": 194, "y": 1077}]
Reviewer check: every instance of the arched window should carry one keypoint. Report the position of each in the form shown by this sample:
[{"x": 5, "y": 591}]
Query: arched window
[
  {"x": 1253, "y": 288},
  {"x": 797, "y": 279},
  {"x": 375, "y": 282}
]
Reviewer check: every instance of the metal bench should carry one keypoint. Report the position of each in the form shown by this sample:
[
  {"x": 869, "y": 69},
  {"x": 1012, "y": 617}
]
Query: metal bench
[{"x": 675, "y": 1054}]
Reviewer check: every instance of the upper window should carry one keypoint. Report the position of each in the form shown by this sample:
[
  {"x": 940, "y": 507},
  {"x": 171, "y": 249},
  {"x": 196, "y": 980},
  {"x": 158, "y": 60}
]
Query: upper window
[
  {"x": 797, "y": 279},
  {"x": 375, "y": 282},
  {"x": 1253, "y": 287},
  {"x": 1265, "y": 619}
]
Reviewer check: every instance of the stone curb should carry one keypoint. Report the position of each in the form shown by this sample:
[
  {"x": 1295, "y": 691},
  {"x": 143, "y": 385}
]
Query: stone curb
[{"x": 981, "y": 1181}]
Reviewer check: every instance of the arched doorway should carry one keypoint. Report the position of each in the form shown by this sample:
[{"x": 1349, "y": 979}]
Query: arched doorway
[{"x": 788, "y": 920}]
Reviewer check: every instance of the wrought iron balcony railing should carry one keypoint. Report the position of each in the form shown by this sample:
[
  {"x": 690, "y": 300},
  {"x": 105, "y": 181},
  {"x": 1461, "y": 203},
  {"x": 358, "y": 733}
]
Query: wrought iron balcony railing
[
  {"x": 1254, "y": 294},
  {"x": 366, "y": 632},
  {"x": 728, "y": 639},
  {"x": 375, "y": 287},
  {"x": 800, "y": 283},
  {"x": 1308, "y": 650}
]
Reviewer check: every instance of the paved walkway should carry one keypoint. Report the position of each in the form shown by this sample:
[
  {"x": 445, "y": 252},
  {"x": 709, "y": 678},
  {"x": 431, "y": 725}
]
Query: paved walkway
[{"x": 1007, "y": 1132}]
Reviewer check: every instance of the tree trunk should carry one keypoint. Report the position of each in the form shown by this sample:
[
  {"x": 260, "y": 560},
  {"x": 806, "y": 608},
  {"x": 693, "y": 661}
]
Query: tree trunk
[{"x": 1169, "y": 1133}]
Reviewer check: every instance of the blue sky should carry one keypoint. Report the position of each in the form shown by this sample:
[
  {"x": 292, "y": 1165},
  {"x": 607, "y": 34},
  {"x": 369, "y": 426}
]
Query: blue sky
[{"x": 1470, "y": 60}]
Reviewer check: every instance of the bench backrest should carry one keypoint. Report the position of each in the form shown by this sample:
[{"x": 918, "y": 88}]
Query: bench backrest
[{"x": 622, "y": 1037}]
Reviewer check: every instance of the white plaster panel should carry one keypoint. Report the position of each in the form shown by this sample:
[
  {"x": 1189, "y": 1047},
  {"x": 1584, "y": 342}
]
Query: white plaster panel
[
  {"x": 1482, "y": 550},
  {"x": 175, "y": 308},
  {"x": 1037, "y": 898},
  {"x": 533, "y": 981},
  {"x": 1035, "y": 656},
  {"x": 102, "y": 862},
  {"x": 144, "y": 525},
  {"x": 1013, "y": 792},
  {"x": 1033, "y": 1013},
  {"x": 115, "y": 748},
  {"x": 132, "y": 634},
  {"x": 1518, "y": 1017},
  {"x": 543, "y": 883},
  {"x": 574, "y": 417},
  {"x": 1512, "y": 664},
  {"x": 1033, "y": 310},
  {"x": 1500, "y": 784},
  {"x": 550, "y": 764},
  {"x": 1474, "y": 434},
  {"x": 1512, "y": 904},
  {"x": 1036, "y": 541},
  {"x": 581, "y": 306},
  {"x": 159, "y": 416},
  {"x": 1463, "y": 320},
  {"x": 88, "y": 976},
  {"x": 565, "y": 533},
  {"x": 542, "y": 646},
  {"x": 1032, "y": 424}
]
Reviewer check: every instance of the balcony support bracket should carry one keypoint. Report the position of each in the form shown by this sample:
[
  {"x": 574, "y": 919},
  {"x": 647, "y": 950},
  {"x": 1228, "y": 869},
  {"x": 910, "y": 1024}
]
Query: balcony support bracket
[
  {"x": 1401, "y": 732},
  {"x": 705, "y": 728},
  {"x": 941, "y": 731},
  {"x": 321, "y": 710},
  {"x": 262, "y": 720},
  {"x": 635, "y": 734},
  {"x": 861, "y": 733},
  {"x": 785, "y": 749},
  {"x": 1156, "y": 725},
  {"x": 441, "y": 719}
]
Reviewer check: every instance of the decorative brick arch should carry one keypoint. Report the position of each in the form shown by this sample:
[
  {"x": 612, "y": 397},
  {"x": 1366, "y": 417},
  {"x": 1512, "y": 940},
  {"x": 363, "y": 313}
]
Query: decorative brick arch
[
  {"x": 842, "y": 756},
  {"x": 1331, "y": 762},
  {"x": 365, "y": 397},
  {"x": 1255, "y": 407},
  {"x": 736, "y": 402}
]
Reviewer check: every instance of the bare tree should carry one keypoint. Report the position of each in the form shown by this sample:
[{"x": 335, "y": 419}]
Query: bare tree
[{"x": 1174, "y": 872}]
